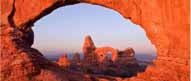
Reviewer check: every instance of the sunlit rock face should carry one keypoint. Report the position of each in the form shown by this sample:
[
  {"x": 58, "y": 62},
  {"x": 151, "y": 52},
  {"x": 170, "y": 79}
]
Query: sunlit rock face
[
  {"x": 64, "y": 61},
  {"x": 102, "y": 53},
  {"x": 97, "y": 61},
  {"x": 166, "y": 23},
  {"x": 88, "y": 49},
  {"x": 91, "y": 52},
  {"x": 88, "y": 45}
]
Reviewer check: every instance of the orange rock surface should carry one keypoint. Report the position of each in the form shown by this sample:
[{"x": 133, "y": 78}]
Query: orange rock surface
[
  {"x": 89, "y": 49},
  {"x": 88, "y": 45},
  {"x": 102, "y": 53},
  {"x": 64, "y": 61},
  {"x": 166, "y": 23}
]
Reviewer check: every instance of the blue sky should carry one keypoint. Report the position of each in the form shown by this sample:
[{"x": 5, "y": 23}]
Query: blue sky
[{"x": 65, "y": 28}]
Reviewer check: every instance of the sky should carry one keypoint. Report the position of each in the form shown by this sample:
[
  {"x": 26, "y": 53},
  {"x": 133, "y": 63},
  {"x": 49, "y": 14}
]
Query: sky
[{"x": 65, "y": 28}]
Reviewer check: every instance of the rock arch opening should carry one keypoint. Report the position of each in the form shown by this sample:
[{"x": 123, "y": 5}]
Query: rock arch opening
[
  {"x": 170, "y": 35},
  {"x": 58, "y": 30},
  {"x": 109, "y": 55}
]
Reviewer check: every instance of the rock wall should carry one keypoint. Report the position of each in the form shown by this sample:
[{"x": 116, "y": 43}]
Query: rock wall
[{"x": 166, "y": 23}]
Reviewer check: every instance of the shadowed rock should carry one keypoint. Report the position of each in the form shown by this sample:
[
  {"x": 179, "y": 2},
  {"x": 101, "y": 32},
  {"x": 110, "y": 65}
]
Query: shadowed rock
[{"x": 76, "y": 58}]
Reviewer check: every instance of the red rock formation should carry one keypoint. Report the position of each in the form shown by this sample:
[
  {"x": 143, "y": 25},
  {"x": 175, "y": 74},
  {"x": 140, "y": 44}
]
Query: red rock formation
[
  {"x": 88, "y": 45},
  {"x": 90, "y": 59},
  {"x": 126, "y": 57},
  {"x": 64, "y": 61},
  {"x": 129, "y": 52},
  {"x": 166, "y": 23},
  {"x": 88, "y": 48},
  {"x": 102, "y": 53},
  {"x": 121, "y": 63}
]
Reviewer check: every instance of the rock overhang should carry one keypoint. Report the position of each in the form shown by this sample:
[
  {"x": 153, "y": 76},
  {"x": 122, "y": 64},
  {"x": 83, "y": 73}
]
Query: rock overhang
[{"x": 158, "y": 18}]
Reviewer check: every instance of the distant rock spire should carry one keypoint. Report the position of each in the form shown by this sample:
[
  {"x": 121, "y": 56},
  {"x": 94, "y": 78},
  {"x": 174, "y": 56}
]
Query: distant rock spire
[{"x": 88, "y": 45}]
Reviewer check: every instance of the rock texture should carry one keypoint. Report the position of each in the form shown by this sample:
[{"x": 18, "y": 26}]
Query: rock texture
[
  {"x": 105, "y": 61},
  {"x": 64, "y": 61},
  {"x": 102, "y": 53},
  {"x": 129, "y": 52},
  {"x": 166, "y": 23},
  {"x": 126, "y": 57},
  {"x": 90, "y": 51},
  {"x": 88, "y": 45}
]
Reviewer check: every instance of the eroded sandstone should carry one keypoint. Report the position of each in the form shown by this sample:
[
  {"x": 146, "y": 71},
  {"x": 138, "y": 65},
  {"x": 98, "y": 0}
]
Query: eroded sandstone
[
  {"x": 105, "y": 61},
  {"x": 166, "y": 23}
]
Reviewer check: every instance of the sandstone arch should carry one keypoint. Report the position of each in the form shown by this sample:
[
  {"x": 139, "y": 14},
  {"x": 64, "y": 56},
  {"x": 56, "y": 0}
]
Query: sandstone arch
[
  {"x": 166, "y": 23},
  {"x": 102, "y": 53}
]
